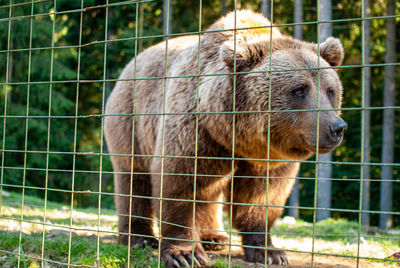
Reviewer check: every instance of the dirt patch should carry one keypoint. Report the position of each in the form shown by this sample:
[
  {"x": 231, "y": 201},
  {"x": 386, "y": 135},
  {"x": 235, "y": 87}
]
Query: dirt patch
[{"x": 298, "y": 260}]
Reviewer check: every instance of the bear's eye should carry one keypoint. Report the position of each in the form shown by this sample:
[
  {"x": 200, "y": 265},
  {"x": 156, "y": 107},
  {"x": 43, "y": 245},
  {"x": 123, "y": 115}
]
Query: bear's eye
[
  {"x": 300, "y": 92},
  {"x": 331, "y": 93}
]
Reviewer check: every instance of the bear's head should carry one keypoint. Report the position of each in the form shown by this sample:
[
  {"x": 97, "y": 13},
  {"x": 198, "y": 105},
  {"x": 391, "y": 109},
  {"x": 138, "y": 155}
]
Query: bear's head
[{"x": 296, "y": 81}]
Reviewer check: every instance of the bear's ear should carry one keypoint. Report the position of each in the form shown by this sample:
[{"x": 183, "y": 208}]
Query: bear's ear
[
  {"x": 332, "y": 51},
  {"x": 247, "y": 55}
]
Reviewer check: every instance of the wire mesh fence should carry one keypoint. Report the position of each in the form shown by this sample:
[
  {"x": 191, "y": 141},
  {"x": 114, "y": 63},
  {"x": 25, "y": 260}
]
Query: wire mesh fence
[{"x": 205, "y": 130}]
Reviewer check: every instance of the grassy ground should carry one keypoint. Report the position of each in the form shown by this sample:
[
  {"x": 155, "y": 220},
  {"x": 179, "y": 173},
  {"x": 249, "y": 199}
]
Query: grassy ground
[
  {"x": 93, "y": 236},
  {"x": 86, "y": 233}
]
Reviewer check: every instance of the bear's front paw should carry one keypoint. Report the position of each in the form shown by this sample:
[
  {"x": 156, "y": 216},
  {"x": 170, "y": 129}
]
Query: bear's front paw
[
  {"x": 181, "y": 256},
  {"x": 215, "y": 237},
  {"x": 273, "y": 256}
]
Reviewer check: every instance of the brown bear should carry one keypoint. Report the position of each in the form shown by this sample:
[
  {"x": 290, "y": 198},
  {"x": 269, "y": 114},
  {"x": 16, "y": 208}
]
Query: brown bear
[{"x": 194, "y": 115}]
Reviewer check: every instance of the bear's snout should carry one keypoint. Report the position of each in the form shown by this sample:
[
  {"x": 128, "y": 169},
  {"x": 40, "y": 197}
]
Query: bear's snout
[
  {"x": 336, "y": 130},
  {"x": 331, "y": 134}
]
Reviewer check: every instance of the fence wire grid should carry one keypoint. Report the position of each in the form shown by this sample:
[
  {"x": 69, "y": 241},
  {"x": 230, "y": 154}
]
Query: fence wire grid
[{"x": 59, "y": 63}]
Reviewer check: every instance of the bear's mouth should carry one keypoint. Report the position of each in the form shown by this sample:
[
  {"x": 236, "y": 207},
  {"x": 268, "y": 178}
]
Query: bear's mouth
[
  {"x": 300, "y": 151},
  {"x": 325, "y": 150},
  {"x": 307, "y": 152},
  {"x": 312, "y": 150}
]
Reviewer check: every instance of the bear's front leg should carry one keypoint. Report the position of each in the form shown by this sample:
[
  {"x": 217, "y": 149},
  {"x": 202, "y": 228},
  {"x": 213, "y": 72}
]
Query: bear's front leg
[
  {"x": 177, "y": 233},
  {"x": 179, "y": 228},
  {"x": 251, "y": 220},
  {"x": 255, "y": 254},
  {"x": 182, "y": 183}
]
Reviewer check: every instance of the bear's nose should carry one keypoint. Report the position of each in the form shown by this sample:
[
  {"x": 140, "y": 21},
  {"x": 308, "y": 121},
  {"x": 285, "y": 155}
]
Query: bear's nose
[{"x": 337, "y": 129}]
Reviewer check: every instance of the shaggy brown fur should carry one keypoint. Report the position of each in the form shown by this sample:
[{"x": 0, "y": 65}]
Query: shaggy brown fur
[{"x": 292, "y": 134}]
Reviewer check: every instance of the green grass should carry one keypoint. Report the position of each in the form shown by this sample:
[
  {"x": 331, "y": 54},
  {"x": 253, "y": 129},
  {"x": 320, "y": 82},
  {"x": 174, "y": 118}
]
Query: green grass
[
  {"x": 330, "y": 229},
  {"x": 330, "y": 237},
  {"x": 83, "y": 251},
  {"x": 223, "y": 263},
  {"x": 339, "y": 237}
]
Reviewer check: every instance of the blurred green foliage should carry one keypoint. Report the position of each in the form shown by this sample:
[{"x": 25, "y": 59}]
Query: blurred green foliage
[{"x": 72, "y": 24}]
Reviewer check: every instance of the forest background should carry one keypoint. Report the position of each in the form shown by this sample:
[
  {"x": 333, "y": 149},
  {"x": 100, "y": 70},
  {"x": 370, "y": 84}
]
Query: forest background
[{"x": 58, "y": 79}]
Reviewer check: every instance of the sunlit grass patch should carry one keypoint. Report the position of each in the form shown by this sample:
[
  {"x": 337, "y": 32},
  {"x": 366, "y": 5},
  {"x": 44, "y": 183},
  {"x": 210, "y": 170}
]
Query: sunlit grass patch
[
  {"x": 83, "y": 251},
  {"x": 335, "y": 236},
  {"x": 85, "y": 232},
  {"x": 332, "y": 236}
]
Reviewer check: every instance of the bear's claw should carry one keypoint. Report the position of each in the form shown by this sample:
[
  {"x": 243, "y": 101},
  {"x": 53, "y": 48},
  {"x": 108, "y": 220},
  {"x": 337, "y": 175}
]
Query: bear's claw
[
  {"x": 181, "y": 256},
  {"x": 277, "y": 257}
]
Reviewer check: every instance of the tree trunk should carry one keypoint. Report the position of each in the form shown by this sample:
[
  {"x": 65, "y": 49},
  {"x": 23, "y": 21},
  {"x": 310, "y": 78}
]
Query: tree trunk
[
  {"x": 106, "y": 177},
  {"x": 223, "y": 7},
  {"x": 385, "y": 220},
  {"x": 294, "y": 199},
  {"x": 141, "y": 18},
  {"x": 10, "y": 71},
  {"x": 324, "y": 187},
  {"x": 238, "y": 5},
  {"x": 324, "y": 170},
  {"x": 266, "y": 8},
  {"x": 366, "y": 118},
  {"x": 167, "y": 18},
  {"x": 298, "y": 18}
]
